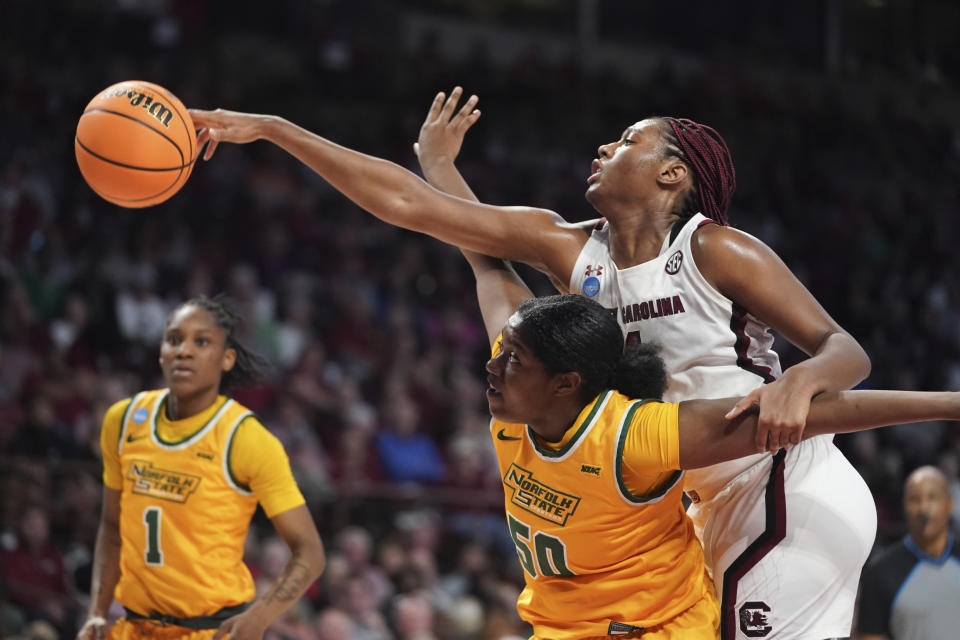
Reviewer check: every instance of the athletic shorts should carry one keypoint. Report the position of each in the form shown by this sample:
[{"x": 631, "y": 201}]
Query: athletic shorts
[
  {"x": 700, "y": 622},
  {"x": 125, "y": 629},
  {"x": 785, "y": 542}
]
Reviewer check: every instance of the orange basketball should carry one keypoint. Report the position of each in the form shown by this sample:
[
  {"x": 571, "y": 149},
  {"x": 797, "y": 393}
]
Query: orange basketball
[{"x": 135, "y": 144}]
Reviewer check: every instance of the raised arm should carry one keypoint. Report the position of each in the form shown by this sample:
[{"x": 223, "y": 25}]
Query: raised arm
[
  {"x": 748, "y": 272},
  {"x": 499, "y": 291},
  {"x": 437, "y": 148},
  {"x": 536, "y": 236},
  {"x": 441, "y": 136},
  {"x": 707, "y": 436}
]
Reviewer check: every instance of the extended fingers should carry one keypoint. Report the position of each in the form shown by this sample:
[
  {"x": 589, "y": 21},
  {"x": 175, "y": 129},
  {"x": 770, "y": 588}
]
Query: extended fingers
[
  {"x": 201, "y": 118},
  {"x": 781, "y": 432},
  {"x": 210, "y": 138},
  {"x": 752, "y": 399},
  {"x": 468, "y": 114},
  {"x": 468, "y": 106},
  {"x": 435, "y": 107},
  {"x": 451, "y": 104}
]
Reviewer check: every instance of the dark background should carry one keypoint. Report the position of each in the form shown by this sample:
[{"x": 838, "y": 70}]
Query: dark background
[{"x": 842, "y": 117}]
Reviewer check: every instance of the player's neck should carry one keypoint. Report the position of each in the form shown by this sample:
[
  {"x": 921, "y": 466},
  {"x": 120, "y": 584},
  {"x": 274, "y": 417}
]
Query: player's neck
[
  {"x": 552, "y": 428},
  {"x": 181, "y": 408},
  {"x": 638, "y": 239}
]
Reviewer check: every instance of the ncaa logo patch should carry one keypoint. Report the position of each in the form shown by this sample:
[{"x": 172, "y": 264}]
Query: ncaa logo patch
[
  {"x": 753, "y": 619},
  {"x": 140, "y": 416},
  {"x": 673, "y": 264},
  {"x": 591, "y": 286}
]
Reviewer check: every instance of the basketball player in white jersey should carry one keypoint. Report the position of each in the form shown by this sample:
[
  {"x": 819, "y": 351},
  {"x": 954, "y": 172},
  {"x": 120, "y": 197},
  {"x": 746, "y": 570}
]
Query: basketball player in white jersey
[{"x": 786, "y": 534}]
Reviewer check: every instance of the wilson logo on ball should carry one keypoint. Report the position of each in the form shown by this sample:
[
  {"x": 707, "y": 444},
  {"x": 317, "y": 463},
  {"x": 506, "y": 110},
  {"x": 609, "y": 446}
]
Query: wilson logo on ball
[{"x": 137, "y": 99}]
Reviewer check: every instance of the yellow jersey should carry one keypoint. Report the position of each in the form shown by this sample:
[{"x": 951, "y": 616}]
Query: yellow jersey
[
  {"x": 599, "y": 524},
  {"x": 188, "y": 490}
]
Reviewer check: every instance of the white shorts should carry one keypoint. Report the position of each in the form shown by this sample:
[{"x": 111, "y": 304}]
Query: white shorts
[{"x": 785, "y": 542}]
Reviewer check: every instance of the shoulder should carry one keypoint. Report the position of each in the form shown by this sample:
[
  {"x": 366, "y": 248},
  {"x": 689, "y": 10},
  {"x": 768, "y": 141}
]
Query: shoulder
[
  {"x": 116, "y": 410},
  {"x": 249, "y": 427},
  {"x": 251, "y": 443},
  {"x": 713, "y": 241},
  {"x": 730, "y": 257}
]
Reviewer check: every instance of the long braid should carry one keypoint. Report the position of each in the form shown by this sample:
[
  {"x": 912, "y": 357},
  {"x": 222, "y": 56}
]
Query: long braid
[
  {"x": 249, "y": 366},
  {"x": 706, "y": 152}
]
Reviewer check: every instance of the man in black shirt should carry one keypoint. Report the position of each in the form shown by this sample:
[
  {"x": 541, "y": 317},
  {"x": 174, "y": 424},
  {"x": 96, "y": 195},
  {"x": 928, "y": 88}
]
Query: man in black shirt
[{"x": 911, "y": 590}]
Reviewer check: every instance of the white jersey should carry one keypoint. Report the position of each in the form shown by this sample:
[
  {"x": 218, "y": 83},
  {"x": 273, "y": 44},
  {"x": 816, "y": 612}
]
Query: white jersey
[
  {"x": 784, "y": 536},
  {"x": 712, "y": 348}
]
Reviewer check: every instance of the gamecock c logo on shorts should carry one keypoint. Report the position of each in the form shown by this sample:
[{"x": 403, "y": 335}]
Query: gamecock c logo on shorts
[{"x": 753, "y": 619}]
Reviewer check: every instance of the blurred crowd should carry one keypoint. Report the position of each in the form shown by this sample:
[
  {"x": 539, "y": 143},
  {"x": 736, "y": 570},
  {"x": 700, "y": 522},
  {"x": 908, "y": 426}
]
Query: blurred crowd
[{"x": 376, "y": 388}]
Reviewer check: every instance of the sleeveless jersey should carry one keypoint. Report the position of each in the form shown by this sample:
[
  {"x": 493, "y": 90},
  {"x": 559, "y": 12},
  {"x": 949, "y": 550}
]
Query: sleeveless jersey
[
  {"x": 599, "y": 558},
  {"x": 712, "y": 347},
  {"x": 183, "y": 516}
]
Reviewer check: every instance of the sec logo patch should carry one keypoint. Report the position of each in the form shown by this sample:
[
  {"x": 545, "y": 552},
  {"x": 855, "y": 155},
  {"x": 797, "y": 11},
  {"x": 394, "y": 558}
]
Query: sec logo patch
[{"x": 674, "y": 262}]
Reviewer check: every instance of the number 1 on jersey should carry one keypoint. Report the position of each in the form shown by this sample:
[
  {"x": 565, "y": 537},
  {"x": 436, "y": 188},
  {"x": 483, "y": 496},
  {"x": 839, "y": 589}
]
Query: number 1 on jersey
[{"x": 153, "y": 518}]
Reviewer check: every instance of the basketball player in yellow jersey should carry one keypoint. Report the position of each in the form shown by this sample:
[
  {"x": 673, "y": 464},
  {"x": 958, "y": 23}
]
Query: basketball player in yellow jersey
[
  {"x": 592, "y": 472},
  {"x": 184, "y": 469}
]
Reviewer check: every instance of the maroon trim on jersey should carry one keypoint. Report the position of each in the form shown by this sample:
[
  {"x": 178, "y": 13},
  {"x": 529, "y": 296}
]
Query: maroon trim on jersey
[
  {"x": 738, "y": 324},
  {"x": 774, "y": 532},
  {"x": 600, "y": 223},
  {"x": 705, "y": 222}
]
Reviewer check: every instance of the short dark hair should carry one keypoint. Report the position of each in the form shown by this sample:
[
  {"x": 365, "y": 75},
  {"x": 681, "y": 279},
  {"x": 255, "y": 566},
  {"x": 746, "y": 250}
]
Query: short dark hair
[{"x": 571, "y": 333}]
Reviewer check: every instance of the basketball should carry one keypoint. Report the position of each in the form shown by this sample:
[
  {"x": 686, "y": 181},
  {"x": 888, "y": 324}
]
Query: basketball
[{"x": 135, "y": 144}]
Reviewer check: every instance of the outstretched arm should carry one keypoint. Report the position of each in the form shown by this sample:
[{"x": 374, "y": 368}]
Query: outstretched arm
[
  {"x": 748, "y": 272},
  {"x": 707, "y": 436},
  {"x": 536, "y": 236}
]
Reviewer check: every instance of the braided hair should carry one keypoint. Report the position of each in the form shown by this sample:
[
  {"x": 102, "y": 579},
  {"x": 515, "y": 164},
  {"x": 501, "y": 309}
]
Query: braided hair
[
  {"x": 249, "y": 366},
  {"x": 714, "y": 178},
  {"x": 572, "y": 333}
]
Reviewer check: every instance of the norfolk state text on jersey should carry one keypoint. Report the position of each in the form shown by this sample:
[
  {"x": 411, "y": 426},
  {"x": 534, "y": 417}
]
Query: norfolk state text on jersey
[
  {"x": 161, "y": 483},
  {"x": 537, "y": 498}
]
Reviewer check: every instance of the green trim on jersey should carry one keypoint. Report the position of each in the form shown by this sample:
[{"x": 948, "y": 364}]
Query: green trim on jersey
[
  {"x": 550, "y": 453},
  {"x": 227, "y": 464},
  {"x": 618, "y": 467},
  {"x": 123, "y": 422},
  {"x": 156, "y": 417}
]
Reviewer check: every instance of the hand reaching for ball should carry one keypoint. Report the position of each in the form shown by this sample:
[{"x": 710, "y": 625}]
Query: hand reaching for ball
[{"x": 221, "y": 125}]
